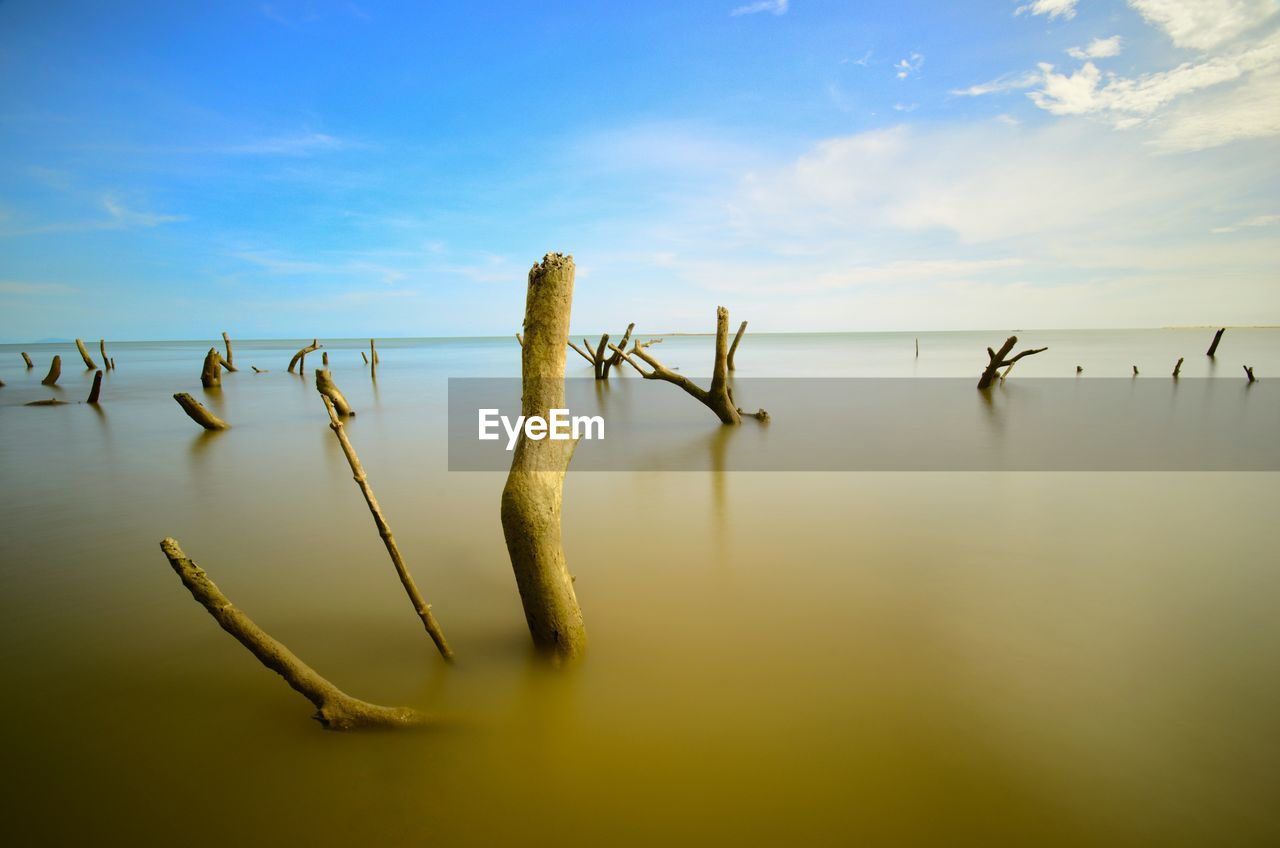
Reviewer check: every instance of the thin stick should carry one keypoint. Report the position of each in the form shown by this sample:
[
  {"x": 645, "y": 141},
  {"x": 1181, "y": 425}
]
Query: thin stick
[
  {"x": 1177, "y": 369},
  {"x": 102, "y": 348},
  {"x": 742, "y": 328},
  {"x": 384, "y": 530},
  {"x": 335, "y": 709},
  {"x": 226, "y": 340}
]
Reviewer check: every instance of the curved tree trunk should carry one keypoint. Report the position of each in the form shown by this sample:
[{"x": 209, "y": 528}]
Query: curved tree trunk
[
  {"x": 102, "y": 348},
  {"x": 96, "y": 391},
  {"x": 27, "y": 360},
  {"x": 328, "y": 388},
  {"x": 300, "y": 356},
  {"x": 335, "y": 709},
  {"x": 198, "y": 413},
  {"x": 742, "y": 328},
  {"x": 55, "y": 371},
  {"x": 227, "y": 362},
  {"x": 84, "y": 354},
  {"x": 532, "y": 497}
]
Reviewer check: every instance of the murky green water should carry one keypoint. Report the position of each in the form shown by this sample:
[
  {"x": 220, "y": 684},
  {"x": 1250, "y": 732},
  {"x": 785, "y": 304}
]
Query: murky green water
[{"x": 775, "y": 658}]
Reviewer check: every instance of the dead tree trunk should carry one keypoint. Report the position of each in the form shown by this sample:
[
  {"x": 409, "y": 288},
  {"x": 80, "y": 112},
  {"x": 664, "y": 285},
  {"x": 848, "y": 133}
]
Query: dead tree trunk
[
  {"x": 373, "y": 352},
  {"x": 328, "y": 388},
  {"x": 324, "y": 359},
  {"x": 198, "y": 413},
  {"x": 1248, "y": 372},
  {"x": 102, "y": 348},
  {"x": 89, "y": 364},
  {"x": 598, "y": 357},
  {"x": 532, "y": 497},
  {"x": 335, "y": 709},
  {"x": 27, "y": 360},
  {"x": 615, "y": 359},
  {"x": 998, "y": 361},
  {"x": 1217, "y": 337},
  {"x": 55, "y": 371},
  {"x": 584, "y": 351},
  {"x": 384, "y": 529},
  {"x": 742, "y": 328},
  {"x": 97, "y": 388},
  {"x": 1177, "y": 368},
  {"x": 718, "y": 398},
  {"x": 1135, "y": 370},
  {"x": 365, "y": 357},
  {"x": 227, "y": 362},
  {"x": 301, "y": 355},
  {"x": 211, "y": 372}
]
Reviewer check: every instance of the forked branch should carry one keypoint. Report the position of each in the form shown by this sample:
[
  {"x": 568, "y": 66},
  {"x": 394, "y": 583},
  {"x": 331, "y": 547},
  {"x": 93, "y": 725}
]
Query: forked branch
[{"x": 998, "y": 360}]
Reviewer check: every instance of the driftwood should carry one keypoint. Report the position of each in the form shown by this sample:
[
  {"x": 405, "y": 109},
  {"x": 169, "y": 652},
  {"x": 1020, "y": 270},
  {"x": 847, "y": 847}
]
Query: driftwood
[
  {"x": 258, "y": 370},
  {"x": 998, "y": 361},
  {"x": 55, "y": 371},
  {"x": 328, "y": 388},
  {"x": 301, "y": 356},
  {"x": 733, "y": 348},
  {"x": 1177, "y": 368},
  {"x": 1248, "y": 372},
  {"x": 113, "y": 363},
  {"x": 1217, "y": 337},
  {"x": 365, "y": 357},
  {"x": 89, "y": 364},
  {"x": 335, "y": 709},
  {"x": 1135, "y": 370},
  {"x": 601, "y": 364},
  {"x": 49, "y": 402},
  {"x": 1079, "y": 370},
  {"x": 27, "y": 360},
  {"x": 227, "y": 362},
  {"x": 96, "y": 391},
  {"x": 718, "y": 398},
  {"x": 373, "y": 352},
  {"x": 384, "y": 529},
  {"x": 211, "y": 372},
  {"x": 917, "y": 348},
  {"x": 615, "y": 360},
  {"x": 532, "y": 497},
  {"x": 198, "y": 413},
  {"x": 102, "y": 348}
]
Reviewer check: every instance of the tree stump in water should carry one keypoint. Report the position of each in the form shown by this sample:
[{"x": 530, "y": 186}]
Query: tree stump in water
[
  {"x": 300, "y": 356},
  {"x": 211, "y": 372},
  {"x": 89, "y": 364},
  {"x": 998, "y": 361},
  {"x": 97, "y": 388},
  {"x": 198, "y": 413},
  {"x": 1217, "y": 337},
  {"x": 55, "y": 371},
  {"x": 27, "y": 360}
]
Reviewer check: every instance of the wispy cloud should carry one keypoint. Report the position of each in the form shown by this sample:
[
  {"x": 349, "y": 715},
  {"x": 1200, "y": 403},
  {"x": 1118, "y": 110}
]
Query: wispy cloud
[
  {"x": 1008, "y": 82},
  {"x": 908, "y": 66},
  {"x": 118, "y": 217},
  {"x": 1065, "y": 9},
  {"x": 291, "y": 145},
  {"x": 1249, "y": 223},
  {"x": 1099, "y": 48},
  {"x": 773, "y": 7},
  {"x": 34, "y": 289},
  {"x": 1204, "y": 24}
]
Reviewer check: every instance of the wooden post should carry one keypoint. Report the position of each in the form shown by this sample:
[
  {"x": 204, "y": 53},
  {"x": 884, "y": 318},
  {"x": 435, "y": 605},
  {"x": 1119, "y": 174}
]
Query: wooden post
[
  {"x": 211, "y": 372},
  {"x": 301, "y": 356},
  {"x": 97, "y": 388},
  {"x": 102, "y": 348},
  {"x": 89, "y": 364},
  {"x": 532, "y": 497},
  {"x": 55, "y": 371},
  {"x": 1177, "y": 369},
  {"x": 227, "y": 362},
  {"x": 27, "y": 360},
  {"x": 1248, "y": 372},
  {"x": 1217, "y": 337}
]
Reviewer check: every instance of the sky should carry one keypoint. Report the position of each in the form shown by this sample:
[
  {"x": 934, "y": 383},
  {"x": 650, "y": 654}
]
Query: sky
[{"x": 299, "y": 169}]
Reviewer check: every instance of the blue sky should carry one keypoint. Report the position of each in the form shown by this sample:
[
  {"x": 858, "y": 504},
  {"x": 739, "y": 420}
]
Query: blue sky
[{"x": 295, "y": 169}]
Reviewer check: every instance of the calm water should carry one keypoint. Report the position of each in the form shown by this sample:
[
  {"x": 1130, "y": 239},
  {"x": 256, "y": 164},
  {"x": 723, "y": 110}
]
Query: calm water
[{"x": 776, "y": 658}]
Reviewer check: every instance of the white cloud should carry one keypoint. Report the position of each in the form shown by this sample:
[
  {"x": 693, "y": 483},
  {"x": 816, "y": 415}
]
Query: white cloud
[
  {"x": 1249, "y": 223},
  {"x": 122, "y": 217},
  {"x": 1251, "y": 110},
  {"x": 1008, "y": 82},
  {"x": 1065, "y": 9},
  {"x": 774, "y": 7},
  {"x": 908, "y": 66},
  {"x": 1099, "y": 48},
  {"x": 1204, "y": 24},
  {"x": 905, "y": 107}
]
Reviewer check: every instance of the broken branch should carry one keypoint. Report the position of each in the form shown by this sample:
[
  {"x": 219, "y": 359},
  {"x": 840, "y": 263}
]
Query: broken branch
[
  {"x": 300, "y": 356},
  {"x": 198, "y": 413}
]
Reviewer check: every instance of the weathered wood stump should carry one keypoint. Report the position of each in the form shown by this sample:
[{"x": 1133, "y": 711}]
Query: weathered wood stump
[
  {"x": 55, "y": 371},
  {"x": 998, "y": 361},
  {"x": 1217, "y": 337},
  {"x": 89, "y": 364},
  {"x": 198, "y": 413}
]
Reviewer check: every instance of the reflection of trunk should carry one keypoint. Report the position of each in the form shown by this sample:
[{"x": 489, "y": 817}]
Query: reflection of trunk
[
  {"x": 328, "y": 388},
  {"x": 211, "y": 373},
  {"x": 226, "y": 340},
  {"x": 198, "y": 413},
  {"x": 55, "y": 371},
  {"x": 84, "y": 354},
  {"x": 335, "y": 709},
  {"x": 97, "y": 388},
  {"x": 384, "y": 529},
  {"x": 27, "y": 360},
  {"x": 301, "y": 356},
  {"x": 718, "y": 398},
  {"x": 1217, "y": 337},
  {"x": 998, "y": 360},
  {"x": 532, "y": 497}
]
